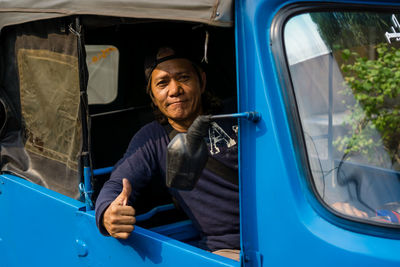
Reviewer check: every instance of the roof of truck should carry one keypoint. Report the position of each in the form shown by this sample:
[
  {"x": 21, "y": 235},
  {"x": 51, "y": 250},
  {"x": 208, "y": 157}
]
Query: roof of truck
[{"x": 212, "y": 12}]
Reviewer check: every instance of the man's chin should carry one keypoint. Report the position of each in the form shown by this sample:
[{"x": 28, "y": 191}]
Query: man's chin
[
  {"x": 178, "y": 118},
  {"x": 181, "y": 116}
]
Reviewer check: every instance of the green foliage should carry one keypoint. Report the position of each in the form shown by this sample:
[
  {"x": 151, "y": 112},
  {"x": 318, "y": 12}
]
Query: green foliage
[{"x": 374, "y": 119}]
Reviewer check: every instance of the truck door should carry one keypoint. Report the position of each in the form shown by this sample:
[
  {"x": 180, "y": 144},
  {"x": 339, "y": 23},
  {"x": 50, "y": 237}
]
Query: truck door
[{"x": 320, "y": 172}]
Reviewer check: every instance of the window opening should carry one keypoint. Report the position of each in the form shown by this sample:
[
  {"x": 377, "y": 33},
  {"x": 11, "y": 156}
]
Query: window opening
[
  {"x": 220, "y": 82},
  {"x": 102, "y": 62},
  {"x": 42, "y": 90},
  {"x": 345, "y": 73}
]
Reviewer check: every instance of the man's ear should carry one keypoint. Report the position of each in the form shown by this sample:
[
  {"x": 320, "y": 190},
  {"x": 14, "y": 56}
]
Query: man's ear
[
  {"x": 152, "y": 99},
  {"x": 203, "y": 81},
  {"x": 150, "y": 92}
]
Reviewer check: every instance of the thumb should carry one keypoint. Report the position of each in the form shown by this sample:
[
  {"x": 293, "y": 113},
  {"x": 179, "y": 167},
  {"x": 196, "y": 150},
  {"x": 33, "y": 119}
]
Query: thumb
[{"x": 123, "y": 197}]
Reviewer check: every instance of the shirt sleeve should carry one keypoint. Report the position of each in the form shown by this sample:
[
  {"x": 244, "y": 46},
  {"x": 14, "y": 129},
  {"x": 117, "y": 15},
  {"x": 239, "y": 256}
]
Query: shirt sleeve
[{"x": 139, "y": 165}]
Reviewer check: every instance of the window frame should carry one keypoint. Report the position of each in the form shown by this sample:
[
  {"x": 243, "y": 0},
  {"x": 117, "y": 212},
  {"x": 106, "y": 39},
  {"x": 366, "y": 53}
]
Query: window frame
[{"x": 295, "y": 124}]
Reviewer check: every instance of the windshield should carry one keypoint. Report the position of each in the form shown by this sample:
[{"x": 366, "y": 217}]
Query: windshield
[{"x": 345, "y": 70}]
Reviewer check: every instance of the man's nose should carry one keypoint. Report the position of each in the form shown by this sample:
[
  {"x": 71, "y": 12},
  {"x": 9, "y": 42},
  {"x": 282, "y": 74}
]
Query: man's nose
[{"x": 175, "y": 88}]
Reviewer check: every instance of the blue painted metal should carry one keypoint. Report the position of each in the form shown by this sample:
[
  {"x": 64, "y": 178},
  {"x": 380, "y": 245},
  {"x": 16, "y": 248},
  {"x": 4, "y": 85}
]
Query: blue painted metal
[
  {"x": 253, "y": 116},
  {"x": 181, "y": 230},
  {"x": 42, "y": 228},
  {"x": 86, "y": 188},
  {"x": 282, "y": 222},
  {"x": 154, "y": 211},
  {"x": 81, "y": 248},
  {"x": 101, "y": 171}
]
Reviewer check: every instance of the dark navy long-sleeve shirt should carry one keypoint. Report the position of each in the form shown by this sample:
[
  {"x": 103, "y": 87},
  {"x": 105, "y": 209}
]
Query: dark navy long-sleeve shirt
[{"x": 213, "y": 205}]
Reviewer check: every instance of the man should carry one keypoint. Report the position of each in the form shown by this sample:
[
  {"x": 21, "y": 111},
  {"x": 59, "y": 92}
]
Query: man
[{"x": 176, "y": 86}]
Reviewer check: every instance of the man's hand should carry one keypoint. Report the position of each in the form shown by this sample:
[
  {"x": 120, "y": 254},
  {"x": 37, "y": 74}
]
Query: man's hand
[
  {"x": 119, "y": 219},
  {"x": 346, "y": 208}
]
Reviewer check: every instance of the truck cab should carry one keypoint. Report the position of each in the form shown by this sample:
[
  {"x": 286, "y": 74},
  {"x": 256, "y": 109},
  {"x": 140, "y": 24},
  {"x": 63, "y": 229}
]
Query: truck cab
[{"x": 318, "y": 171}]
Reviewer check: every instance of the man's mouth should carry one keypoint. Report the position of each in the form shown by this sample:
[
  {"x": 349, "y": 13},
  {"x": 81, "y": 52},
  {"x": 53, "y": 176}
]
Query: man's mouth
[{"x": 176, "y": 102}]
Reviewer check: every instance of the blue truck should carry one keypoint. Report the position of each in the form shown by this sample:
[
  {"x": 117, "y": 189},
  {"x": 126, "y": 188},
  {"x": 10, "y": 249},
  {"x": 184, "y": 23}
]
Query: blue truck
[{"x": 318, "y": 172}]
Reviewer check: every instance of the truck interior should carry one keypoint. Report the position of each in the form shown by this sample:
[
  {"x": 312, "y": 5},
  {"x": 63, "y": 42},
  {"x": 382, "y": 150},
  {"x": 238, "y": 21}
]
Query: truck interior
[
  {"x": 113, "y": 124},
  {"x": 118, "y": 104}
]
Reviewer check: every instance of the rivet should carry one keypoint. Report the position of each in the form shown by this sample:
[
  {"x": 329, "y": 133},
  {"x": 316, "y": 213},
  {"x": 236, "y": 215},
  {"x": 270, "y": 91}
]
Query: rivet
[
  {"x": 246, "y": 258},
  {"x": 81, "y": 248}
]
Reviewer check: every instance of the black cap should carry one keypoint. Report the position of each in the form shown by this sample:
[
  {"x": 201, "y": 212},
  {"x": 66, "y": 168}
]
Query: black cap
[{"x": 163, "y": 54}]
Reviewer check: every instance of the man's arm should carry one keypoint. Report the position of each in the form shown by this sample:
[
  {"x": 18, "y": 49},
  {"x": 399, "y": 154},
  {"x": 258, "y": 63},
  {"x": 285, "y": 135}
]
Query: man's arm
[
  {"x": 138, "y": 166},
  {"x": 114, "y": 215}
]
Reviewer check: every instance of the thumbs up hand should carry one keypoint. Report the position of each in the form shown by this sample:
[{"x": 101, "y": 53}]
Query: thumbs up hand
[
  {"x": 119, "y": 219},
  {"x": 122, "y": 199}
]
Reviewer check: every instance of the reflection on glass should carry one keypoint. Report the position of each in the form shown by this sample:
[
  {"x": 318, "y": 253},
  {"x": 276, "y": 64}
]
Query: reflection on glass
[{"x": 345, "y": 69}]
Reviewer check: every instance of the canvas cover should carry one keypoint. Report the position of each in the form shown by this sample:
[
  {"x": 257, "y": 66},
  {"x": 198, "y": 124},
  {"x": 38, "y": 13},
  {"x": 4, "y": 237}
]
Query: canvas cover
[
  {"x": 41, "y": 140},
  {"x": 212, "y": 12}
]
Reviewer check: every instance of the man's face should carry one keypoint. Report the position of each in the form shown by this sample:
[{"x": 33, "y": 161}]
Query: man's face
[{"x": 176, "y": 89}]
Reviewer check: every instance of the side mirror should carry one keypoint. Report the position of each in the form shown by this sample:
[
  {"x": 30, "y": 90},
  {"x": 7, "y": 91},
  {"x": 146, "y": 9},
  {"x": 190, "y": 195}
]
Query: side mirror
[{"x": 187, "y": 153}]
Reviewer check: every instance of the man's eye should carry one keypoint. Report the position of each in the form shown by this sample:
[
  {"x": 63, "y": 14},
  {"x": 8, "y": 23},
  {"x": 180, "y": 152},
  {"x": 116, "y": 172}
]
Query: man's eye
[
  {"x": 184, "y": 78},
  {"x": 162, "y": 83}
]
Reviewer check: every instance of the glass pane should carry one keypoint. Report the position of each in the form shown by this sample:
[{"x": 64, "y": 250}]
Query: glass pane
[
  {"x": 102, "y": 62},
  {"x": 345, "y": 70}
]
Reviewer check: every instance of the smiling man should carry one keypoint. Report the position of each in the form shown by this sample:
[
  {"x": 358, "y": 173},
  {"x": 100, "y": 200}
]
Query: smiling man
[{"x": 177, "y": 87}]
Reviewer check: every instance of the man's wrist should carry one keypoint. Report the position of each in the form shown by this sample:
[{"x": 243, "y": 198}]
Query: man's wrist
[{"x": 102, "y": 228}]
